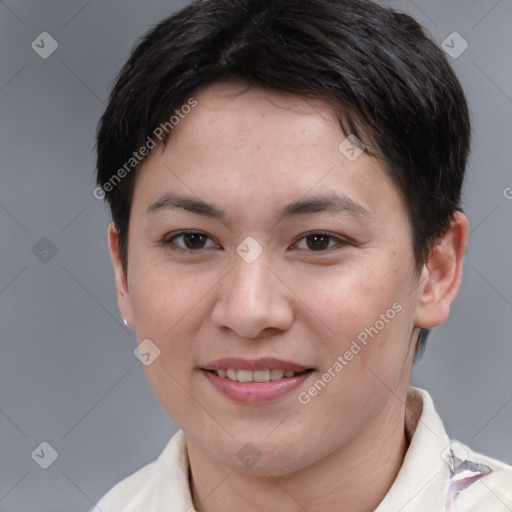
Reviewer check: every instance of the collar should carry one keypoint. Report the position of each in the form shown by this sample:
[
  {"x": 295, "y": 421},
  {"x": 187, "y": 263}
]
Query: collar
[{"x": 422, "y": 482}]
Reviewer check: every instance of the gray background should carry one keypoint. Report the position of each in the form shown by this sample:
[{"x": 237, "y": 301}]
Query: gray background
[{"x": 68, "y": 375}]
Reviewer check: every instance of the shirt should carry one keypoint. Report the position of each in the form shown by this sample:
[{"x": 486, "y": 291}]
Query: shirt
[{"x": 437, "y": 475}]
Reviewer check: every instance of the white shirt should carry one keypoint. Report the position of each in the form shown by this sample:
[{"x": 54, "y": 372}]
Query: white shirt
[{"x": 436, "y": 475}]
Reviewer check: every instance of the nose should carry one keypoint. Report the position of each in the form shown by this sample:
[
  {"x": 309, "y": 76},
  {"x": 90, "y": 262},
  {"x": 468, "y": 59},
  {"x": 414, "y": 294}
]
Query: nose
[{"x": 252, "y": 301}]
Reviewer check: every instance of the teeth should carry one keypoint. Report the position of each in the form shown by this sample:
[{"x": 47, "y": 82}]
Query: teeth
[
  {"x": 256, "y": 376},
  {"x": 244, "y": 376},
  {"x": 261, "y": 376},
  {"x": 276, "y": 374}
]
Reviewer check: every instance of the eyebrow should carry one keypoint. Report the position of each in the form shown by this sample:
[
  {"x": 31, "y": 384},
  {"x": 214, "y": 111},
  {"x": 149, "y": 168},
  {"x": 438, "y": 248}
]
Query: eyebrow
[{"x": 334, "y": 203}]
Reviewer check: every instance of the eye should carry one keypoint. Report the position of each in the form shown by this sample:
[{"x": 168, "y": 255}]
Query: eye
[
  {"x": 319, "y": 241},
  {"x": 197, "y": 240},
  {"x": 189, "y": 240}
]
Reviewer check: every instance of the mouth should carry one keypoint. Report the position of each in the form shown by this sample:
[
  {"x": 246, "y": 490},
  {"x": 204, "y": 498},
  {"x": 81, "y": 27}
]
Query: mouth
[
  {"x": 272, "y": 374},
  {"x": 255, "y": 381}
]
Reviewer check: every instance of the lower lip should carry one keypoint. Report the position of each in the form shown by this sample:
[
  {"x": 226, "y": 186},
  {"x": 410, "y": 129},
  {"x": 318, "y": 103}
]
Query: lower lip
[{"x": 255, "y": 392}]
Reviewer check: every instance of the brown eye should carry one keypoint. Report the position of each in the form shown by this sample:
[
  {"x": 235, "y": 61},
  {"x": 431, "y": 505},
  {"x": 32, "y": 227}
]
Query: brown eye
[
  {"x": 320, "y": 242},
  {"x": 189, "y": 241},
  {"x": 194, "y": 240}
]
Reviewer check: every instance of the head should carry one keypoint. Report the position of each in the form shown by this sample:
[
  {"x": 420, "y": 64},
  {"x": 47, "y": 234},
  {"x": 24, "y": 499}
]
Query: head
[{"x": 334, "y": 135}]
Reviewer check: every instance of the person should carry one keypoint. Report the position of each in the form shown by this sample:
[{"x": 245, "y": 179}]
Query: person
[{"x": 284, "y": 180}]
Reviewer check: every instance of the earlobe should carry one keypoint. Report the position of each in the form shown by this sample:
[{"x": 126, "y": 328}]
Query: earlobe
[
  {"x": 123, "y": 294},
  {"x": 441, "y": 275}
]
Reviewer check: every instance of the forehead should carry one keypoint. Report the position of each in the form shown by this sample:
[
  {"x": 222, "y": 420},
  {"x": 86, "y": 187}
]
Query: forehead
[
  {"x": 241, "y": 144},
  {"x": 244, "y": 114}
]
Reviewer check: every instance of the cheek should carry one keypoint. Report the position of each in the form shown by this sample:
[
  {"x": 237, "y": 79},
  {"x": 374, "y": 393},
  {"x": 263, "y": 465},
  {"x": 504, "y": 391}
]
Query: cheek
[
  {"x": 364, "y": 366},
  {"x": 369, "y": 314},
  {"x": 163, "y": 295},
  {"x": 168, "y": 306},
  {"x": 349, "y": 299}
]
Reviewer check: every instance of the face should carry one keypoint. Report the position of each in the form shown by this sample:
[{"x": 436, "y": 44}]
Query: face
[{"x": 256, "y": 246}]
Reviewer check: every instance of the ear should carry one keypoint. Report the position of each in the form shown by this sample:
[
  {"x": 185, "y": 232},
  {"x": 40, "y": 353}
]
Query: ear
[
  {"x": 123, "y": 294},
  {"x": 441, "y": 275}
]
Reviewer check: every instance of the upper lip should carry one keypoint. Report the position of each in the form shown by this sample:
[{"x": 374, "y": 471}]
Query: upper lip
[{"x": 265, "y": 363}]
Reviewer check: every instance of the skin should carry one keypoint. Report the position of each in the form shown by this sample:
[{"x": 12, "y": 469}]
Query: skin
[{"x": 251, "y": 151}]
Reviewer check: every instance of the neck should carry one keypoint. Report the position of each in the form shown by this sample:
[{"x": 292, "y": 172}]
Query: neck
[{"x": 355, "y": 477}]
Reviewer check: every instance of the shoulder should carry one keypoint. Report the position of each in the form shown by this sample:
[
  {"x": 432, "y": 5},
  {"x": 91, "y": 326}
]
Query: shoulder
[
  {"x": 478, "y": 483},
  {"x": 124, "y": 492},
  {"x": 159, "y": 481},
  {"x": 468, "y": 481}
]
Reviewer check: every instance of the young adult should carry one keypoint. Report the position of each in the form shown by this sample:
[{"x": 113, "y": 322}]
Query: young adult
[{"x": 285, "y": 180}]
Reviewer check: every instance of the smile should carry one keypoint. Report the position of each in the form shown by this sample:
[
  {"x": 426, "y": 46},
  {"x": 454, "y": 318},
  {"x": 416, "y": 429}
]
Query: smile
[
  {"x": 256, "y": 381},
  {"x": 254, "y": 376}
]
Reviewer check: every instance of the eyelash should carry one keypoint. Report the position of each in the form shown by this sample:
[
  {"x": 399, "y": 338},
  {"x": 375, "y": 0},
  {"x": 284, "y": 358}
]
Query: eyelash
[{"x": 168, "y": 241}]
